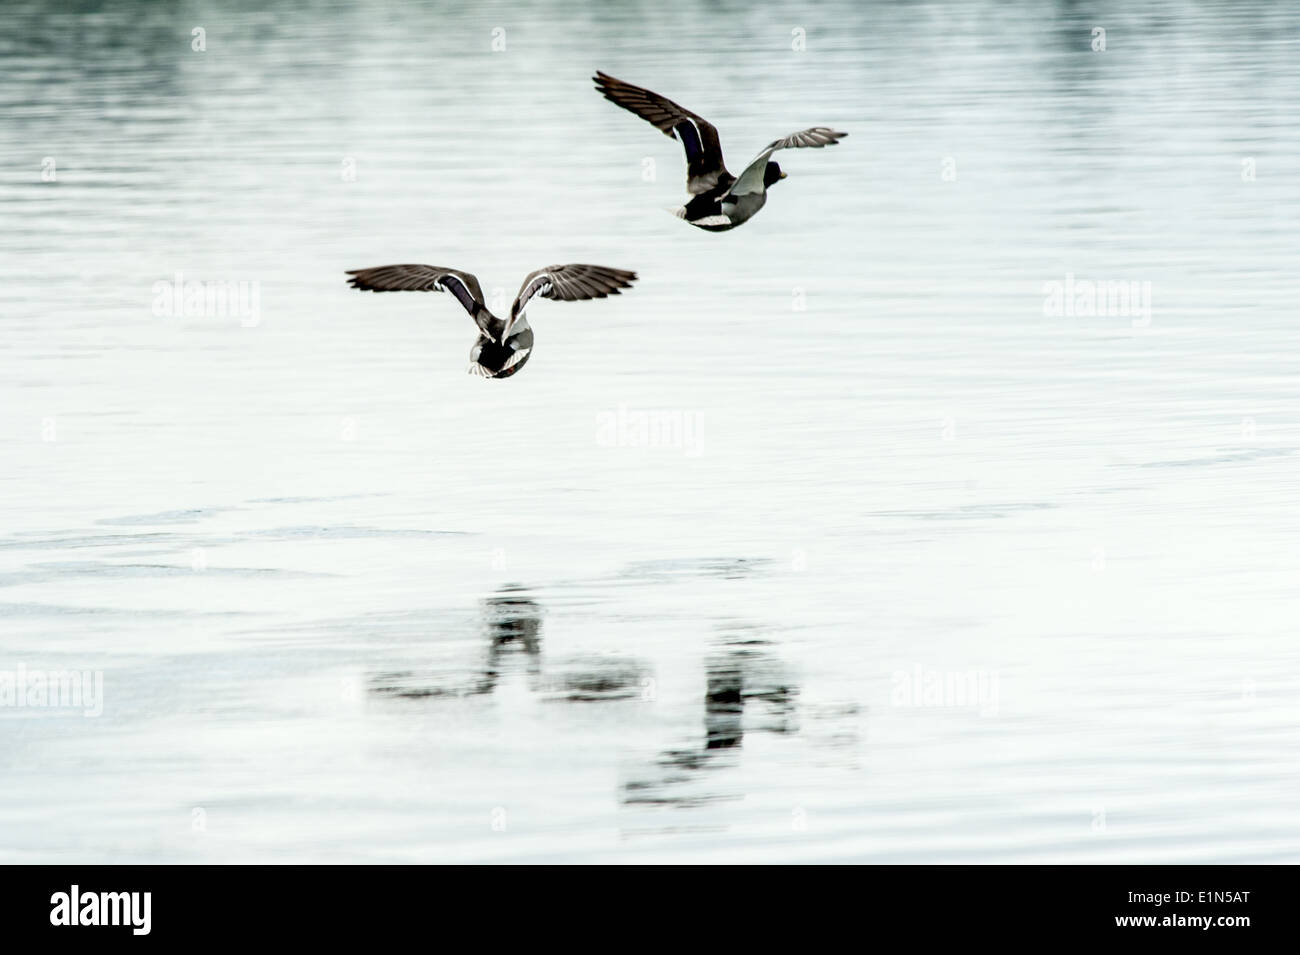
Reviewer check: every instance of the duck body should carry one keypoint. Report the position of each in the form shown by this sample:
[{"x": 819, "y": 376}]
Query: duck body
[
  {"x": 719, "y": 211},
  {"x": 719, "y": 201},
  {"x": 492, "y": 359},
  {"x": 503, "y": 346}
]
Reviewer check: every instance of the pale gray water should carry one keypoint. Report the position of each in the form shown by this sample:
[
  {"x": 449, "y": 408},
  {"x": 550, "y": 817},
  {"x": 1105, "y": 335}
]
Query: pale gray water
[{"x": 351, "y": 604}]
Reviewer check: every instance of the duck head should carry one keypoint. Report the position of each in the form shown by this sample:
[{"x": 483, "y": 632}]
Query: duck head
[{"x": 772, "y": 175}]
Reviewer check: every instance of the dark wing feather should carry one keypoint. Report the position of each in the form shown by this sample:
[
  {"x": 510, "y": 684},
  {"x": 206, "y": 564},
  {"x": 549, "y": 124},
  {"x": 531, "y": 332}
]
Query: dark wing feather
[
  {"x": 704, "y": 167},
  {"x": 424, "y": 278},
  {"x": 571, "y": 283}
]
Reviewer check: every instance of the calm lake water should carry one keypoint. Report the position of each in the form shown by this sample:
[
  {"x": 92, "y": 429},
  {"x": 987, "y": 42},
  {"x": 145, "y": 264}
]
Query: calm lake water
[{"x": 919, "y": 563}]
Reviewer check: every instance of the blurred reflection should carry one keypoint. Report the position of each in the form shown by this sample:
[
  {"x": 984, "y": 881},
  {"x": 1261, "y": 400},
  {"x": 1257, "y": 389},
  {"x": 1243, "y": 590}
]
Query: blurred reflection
[
  {"x": 512, "y": 622},
  {"x": 591, "y": 679},
  {"x": 745, "y": 687},
  {"x": 512, "y": 628}
]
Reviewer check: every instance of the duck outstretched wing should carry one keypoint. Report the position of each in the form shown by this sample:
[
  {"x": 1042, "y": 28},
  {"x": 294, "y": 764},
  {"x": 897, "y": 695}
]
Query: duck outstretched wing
[
  {"x": 815, "y": 137},
  {"x": 426, "y": 278},
  {"x": 705, "y": 169}
]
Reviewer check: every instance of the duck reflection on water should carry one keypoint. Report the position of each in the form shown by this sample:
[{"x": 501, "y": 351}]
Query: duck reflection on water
[
  {"x": 746, "y": 685},
  {"x": 512, "y": 631}
]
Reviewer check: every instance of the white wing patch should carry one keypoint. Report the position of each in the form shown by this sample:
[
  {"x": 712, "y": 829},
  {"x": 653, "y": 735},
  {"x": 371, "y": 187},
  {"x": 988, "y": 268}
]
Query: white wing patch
[
  {"x": 516, "y": 358},
  {"x": 712, "y": 220}
]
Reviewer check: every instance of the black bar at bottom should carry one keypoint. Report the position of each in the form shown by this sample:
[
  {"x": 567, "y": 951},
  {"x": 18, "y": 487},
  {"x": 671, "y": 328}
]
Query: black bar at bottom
[{"x": 1229, "y": 905}]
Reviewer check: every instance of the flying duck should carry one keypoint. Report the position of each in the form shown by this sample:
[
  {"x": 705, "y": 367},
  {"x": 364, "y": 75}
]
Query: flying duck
[
  {"x": 720, "y": 201},
  {"x": 503, "y": 345}
]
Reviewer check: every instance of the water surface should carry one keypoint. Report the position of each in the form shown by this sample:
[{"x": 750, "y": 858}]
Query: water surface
[{"x": 352, "y": 604}]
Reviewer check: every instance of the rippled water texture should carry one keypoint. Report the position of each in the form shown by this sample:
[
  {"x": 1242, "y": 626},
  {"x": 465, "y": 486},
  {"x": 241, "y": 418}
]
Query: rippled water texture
[{"x": 927, "y": 561}]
